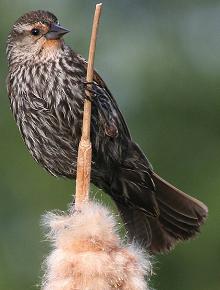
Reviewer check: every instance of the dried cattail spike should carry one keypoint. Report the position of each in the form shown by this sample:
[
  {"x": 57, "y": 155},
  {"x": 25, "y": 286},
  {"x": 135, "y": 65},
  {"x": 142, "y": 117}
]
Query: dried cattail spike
[{"x": 89, "y": 255}]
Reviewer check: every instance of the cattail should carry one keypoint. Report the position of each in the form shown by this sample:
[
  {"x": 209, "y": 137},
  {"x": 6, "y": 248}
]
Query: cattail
[{"x": 89, "y": 255}]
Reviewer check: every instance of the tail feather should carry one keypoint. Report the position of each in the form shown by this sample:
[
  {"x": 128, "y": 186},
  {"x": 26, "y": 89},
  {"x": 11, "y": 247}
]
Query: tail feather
[
  {"x": 175, "y": 215},
  {"x": 180, "y": 216},
  {"x": 179, "y": 202},
  {"x": 137, "y": 225},
  {"x": 145, "y": 230},
  {"x": 156, "y": 214},
  {"x": 162, "y": 241},
  {"x": 174, "y": 223}
]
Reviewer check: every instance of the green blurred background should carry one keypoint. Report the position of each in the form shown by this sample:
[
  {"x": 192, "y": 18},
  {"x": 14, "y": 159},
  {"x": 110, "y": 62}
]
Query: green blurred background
[{"x": 161, "y": 59}]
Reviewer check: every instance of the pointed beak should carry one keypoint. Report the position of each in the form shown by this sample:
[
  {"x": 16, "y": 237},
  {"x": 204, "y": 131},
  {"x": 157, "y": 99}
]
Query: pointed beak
[{"x": 56, "y": 32}]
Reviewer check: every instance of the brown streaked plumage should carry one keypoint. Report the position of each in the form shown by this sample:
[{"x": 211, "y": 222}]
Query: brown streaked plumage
[{"x": 46, "y": 87}]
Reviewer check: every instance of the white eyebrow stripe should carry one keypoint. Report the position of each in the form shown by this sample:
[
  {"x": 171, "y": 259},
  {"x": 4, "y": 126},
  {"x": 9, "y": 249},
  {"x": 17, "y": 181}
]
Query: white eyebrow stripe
[{"x": 23, "y": 27}]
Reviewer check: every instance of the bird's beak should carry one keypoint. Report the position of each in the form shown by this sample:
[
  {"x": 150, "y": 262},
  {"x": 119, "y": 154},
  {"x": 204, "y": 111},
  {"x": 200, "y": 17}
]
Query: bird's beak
[{"x": 56, "y": 32}]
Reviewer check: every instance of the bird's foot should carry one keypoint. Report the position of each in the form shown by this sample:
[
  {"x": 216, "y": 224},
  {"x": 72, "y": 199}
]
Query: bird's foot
[{"x": 92, "y": 90}]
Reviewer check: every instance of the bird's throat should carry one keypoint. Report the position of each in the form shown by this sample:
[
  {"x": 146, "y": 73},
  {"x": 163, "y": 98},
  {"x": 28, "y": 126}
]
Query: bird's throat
[{"x": 50, "y": 49}]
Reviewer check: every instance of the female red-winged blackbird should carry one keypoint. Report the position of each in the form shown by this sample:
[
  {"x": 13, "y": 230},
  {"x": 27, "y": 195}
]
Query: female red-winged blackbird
[{"x": 46, "y": 87}]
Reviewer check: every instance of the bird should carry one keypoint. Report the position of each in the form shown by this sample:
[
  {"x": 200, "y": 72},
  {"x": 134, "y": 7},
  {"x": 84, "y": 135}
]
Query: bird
[{"x": 46, "y": 86}]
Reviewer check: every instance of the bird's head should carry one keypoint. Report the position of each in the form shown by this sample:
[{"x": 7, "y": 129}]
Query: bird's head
[{"x": 34, "y": 36}]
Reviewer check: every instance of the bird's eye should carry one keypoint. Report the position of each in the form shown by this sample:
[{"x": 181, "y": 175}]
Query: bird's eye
[{"x": 35, "y": 31}]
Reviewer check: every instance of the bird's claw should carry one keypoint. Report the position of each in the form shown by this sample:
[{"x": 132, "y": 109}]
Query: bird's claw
[{"x": 91, "y": 90}]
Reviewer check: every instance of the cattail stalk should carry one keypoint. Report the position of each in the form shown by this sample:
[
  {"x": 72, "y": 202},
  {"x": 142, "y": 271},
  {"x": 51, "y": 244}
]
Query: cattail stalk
[{"x": 85, "y": 148}]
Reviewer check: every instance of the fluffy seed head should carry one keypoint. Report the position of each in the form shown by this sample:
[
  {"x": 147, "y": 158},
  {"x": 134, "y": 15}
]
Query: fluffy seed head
[{"x": 88, "y": 254}]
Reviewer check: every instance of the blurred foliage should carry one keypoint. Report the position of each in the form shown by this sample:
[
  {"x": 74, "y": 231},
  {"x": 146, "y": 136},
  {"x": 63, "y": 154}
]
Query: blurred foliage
[{"x": 161, "y": 59}]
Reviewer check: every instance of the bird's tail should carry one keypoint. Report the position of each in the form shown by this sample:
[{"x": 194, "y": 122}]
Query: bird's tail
[{"x": 156, "y": 214}]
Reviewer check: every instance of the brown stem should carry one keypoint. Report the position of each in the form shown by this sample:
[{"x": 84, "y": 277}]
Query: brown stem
[{"x": 85, "y": 147}]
